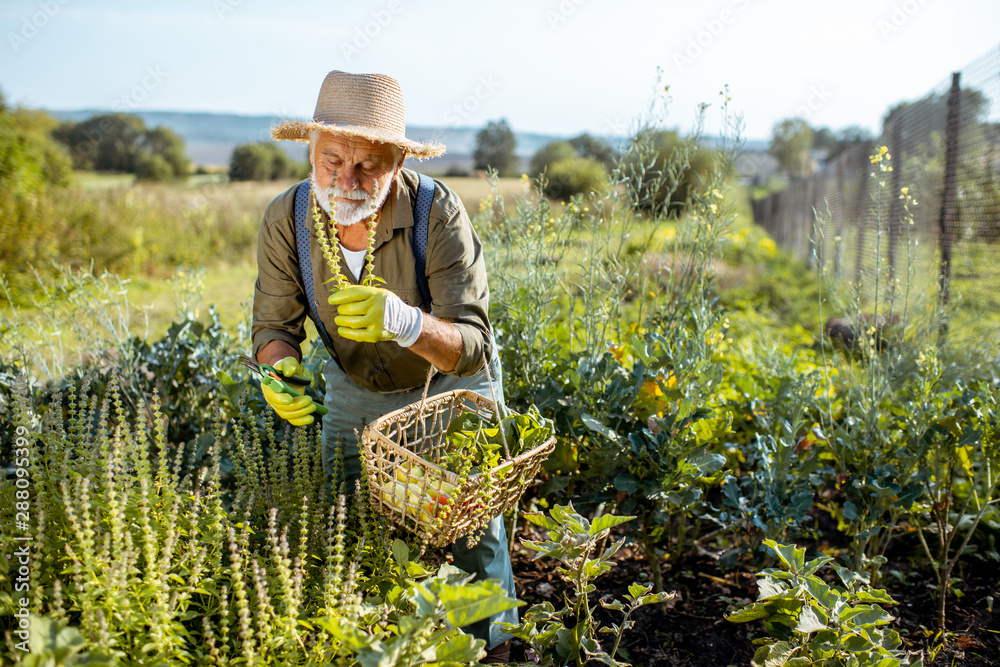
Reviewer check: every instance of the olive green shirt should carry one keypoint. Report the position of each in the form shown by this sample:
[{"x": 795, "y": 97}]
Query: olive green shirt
[{"x": 456, "y": 277}]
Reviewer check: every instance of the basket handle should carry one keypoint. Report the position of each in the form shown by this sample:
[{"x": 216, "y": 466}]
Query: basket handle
[
  {"x": 500, "y": 408},
  {"x": 423, "y": 400}
]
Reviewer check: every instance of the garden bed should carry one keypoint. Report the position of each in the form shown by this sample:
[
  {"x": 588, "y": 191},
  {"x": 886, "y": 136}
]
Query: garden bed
[{"x": 691, "y": 630}]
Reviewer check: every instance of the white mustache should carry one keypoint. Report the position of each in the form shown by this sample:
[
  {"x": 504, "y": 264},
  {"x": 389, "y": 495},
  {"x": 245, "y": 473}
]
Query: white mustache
[{"x": 356, "y": 195}]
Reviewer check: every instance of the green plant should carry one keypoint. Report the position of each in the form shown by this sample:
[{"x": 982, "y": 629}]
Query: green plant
[
  {"x": 875, "y": 445},
  {"x": 143, "y": 557},
  {"x": 565, "y": 171},
  {"x": 963, "y": 476},
  {"x": 429, "y": 610},
  {"x": 264, "y": 161},
  {"x": 772, "y": 493},
  {"x": 51, "y": 644},
  {"x": 577, "y": 175},
  {"x": 571, "y": 635},
  {"x": 95, "y": 312},
  {"x": 526, "y": 248},
  {"x": 810, "y": 622}
]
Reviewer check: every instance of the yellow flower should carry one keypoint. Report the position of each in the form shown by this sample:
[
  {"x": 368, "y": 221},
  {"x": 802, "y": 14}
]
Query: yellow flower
[{"x": 652, "y": 388}]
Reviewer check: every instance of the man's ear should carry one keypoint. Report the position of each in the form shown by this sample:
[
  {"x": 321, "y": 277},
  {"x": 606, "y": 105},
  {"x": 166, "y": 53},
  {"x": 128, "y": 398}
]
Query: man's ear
[{"x": 399, "y": 165}]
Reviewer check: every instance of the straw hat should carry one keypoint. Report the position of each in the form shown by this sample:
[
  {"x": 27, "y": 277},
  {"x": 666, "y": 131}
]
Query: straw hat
[{"x": 369, "y": 106}]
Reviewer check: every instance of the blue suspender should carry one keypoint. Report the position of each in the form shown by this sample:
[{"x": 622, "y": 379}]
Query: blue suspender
[
  {"x": 421, "y": 219},
  {"x": 302, "y": 237}
]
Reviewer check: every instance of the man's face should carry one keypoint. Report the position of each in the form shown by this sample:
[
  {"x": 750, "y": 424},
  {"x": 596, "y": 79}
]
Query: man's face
[{"x": 354, "y": 172}]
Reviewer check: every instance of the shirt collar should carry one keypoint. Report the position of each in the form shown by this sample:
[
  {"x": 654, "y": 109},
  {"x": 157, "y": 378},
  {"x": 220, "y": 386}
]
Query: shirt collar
[{"x": 397, "y": 212}]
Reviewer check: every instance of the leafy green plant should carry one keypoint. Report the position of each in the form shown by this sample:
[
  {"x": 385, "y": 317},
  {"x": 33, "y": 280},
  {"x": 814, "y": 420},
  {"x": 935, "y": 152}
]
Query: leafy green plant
[
  {"x": 810, "y": 622},
  {"x": 772, "y": 493},
  {"x": 430, "y": 609},
  {"x": 525, "y": 248},
  {"x": 137, "y": 553},
  {"x": 571, "y": 635},
  {"x": 963, "y": 477},
  {"x": 668, "y": 466},
  {"x": 877, "y": 443},
  {"x": 50, "y": 644}
]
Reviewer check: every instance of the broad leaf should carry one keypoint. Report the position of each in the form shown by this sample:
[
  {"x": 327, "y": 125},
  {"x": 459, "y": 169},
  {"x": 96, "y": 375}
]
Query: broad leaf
[
  {"x": 461, "y": 649},
  {"x": 232, "y": 390},
  {"x": 606, "y": 521},
  {"x": 400, "y": 552},
  {"x": 809, "y": 621},
  {"x": 473, "y": 602},
  {"x": 595, "y": 426},
  {"x": 768, "y": 588},
  {"x": 865, "y": 614},
  {"x": 878, "y": 596},
  {"x": 793, "y": 557},
  {"x": 627, "y": 482},
  {"x": 820, "y": 590}
]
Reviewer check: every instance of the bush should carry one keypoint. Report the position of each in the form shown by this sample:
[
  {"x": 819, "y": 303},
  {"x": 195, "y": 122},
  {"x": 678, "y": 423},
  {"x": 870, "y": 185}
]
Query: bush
[
  {"x": 576, "y": 175},
  {"x": 550, "y": 153},
  {"x": 121, "y": 142},
  {"x": 30, "y": 164},
  {"x": 566, "y": 171},
  {"x": 153, "y": 168},
  {"x": 264, "y": 161},
  {"x": 663, "y": 170}
]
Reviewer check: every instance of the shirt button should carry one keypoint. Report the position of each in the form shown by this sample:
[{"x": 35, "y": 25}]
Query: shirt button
[{"x": 377, "y": 369}]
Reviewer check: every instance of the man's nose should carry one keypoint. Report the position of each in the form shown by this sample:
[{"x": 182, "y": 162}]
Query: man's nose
[{"x": 347, "y": 178}]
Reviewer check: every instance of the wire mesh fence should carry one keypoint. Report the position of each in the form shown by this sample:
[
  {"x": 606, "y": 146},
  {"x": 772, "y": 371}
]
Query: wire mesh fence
[{"x": 932, "y": 221}]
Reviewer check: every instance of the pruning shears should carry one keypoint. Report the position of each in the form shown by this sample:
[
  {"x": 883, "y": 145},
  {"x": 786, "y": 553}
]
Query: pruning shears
[{"x": 278, "y": 382}]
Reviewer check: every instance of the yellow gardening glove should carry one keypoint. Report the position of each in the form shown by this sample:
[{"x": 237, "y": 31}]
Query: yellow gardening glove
[
  {"x": 372, "y": 314},
  {"x": 296, "y": 410},
  {"x": 290, "y": 366}
]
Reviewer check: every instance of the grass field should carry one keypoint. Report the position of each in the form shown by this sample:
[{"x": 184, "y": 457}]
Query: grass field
[
  {"x": 204, "y": 231},
  {"x": 201, "y": 233}
]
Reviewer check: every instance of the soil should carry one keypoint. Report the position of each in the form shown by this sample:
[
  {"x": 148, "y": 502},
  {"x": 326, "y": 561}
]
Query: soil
[{"x": 691, "y": 630}]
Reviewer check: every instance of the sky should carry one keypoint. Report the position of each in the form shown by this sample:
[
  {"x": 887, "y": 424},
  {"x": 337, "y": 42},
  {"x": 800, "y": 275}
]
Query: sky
[{"x": 551, "y": 66}]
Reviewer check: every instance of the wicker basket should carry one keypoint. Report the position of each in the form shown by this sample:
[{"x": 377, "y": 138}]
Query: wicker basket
[{"x": 403, "y": 448}]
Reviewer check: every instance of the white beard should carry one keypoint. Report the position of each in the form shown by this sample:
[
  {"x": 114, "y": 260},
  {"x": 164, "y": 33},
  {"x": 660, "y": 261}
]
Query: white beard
[{"x": 362, "y": 206}]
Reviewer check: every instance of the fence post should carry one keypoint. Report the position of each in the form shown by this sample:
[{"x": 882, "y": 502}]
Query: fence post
[
  {"x": 895, "y": 205},
  {"x": 841, "y": 205},
  {"x": 861, "y": 218},
  {"x": 949, "y": 202}
]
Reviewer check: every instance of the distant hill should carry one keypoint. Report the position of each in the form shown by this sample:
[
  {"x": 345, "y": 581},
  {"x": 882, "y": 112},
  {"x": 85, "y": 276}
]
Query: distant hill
[{"x": 209, "y": 138}]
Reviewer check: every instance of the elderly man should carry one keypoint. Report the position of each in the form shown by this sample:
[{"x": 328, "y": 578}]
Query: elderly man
[{"x": 384, "y": 341}]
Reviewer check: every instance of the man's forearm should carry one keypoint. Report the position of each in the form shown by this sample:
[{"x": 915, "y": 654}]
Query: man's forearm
[
  {"x": 440, "y": 343},
  {"x": 275, "y": 351}
]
